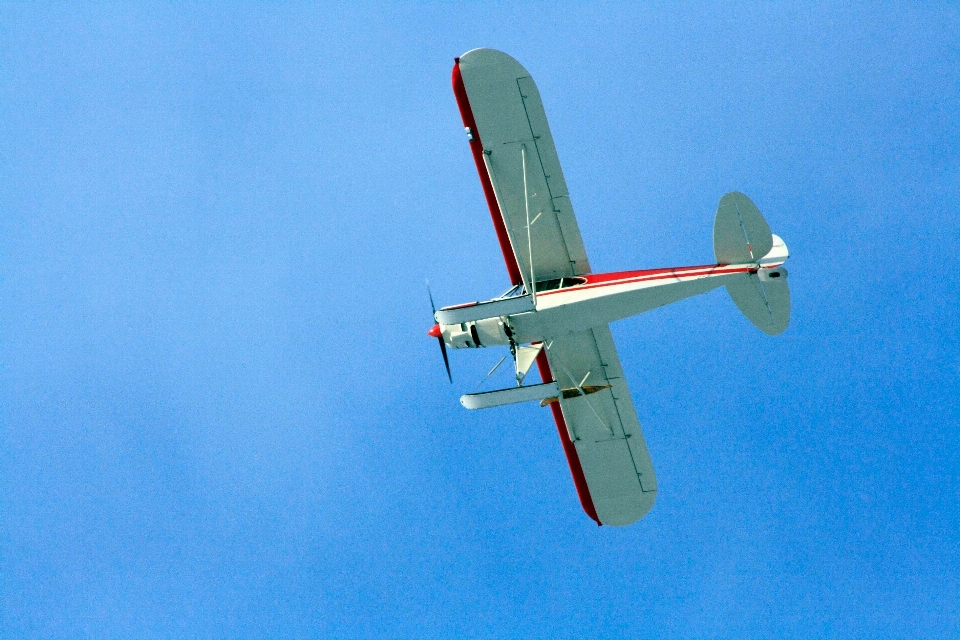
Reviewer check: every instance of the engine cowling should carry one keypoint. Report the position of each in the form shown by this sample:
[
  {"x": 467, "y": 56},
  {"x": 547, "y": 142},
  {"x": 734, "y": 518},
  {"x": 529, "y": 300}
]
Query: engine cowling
[{"x": 488, "y": 332}]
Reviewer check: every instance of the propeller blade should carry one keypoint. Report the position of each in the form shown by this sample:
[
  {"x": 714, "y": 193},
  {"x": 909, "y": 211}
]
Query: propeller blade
[
  {"x": 435, "y": 332},
  {"x": 446, "y": 361},
  {"x": 429, "y": 293}
]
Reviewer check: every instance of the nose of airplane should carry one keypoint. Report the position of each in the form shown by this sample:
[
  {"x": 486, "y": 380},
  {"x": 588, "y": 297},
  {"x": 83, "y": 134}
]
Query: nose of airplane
[{"x": 434, "y": 331}]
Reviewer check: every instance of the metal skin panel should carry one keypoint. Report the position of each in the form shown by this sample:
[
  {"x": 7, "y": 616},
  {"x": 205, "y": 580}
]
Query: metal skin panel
[
  {"x": 511, "y": 123},
  {"x": 604, "y": 427}
]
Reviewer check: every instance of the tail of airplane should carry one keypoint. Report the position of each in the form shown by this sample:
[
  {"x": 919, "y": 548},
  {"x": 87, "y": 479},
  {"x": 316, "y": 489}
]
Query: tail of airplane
[{"x": 741, "y": 235}]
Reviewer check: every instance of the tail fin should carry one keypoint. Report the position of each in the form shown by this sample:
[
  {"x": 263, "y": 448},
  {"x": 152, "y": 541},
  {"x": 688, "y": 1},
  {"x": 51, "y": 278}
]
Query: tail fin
[{"x": 741, "y": 235}]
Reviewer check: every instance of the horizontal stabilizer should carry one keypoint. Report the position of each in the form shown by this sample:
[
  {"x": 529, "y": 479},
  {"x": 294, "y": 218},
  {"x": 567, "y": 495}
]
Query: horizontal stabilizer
[
  {"x": 740, "y": 234},
  {"x": 510, "y": 396},
  {"x": 763, "y": 297}
]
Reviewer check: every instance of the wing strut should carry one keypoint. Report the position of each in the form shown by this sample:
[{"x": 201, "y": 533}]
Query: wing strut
[
  {"x": 582, "y": 392},
  {"x": 526, "y": 204},
  {"x": 496, "y": 195}
]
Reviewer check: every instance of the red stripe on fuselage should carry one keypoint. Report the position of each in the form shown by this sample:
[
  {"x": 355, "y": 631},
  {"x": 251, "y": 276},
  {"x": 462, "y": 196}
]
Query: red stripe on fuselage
[
  {"x": 476, "y": 147},
  {"x": 595, "y": 280},
  {"x": 576, "y": 469}
]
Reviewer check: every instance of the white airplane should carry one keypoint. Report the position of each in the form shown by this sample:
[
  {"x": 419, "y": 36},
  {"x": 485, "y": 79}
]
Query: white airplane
[{"x": 557, "y": 312}]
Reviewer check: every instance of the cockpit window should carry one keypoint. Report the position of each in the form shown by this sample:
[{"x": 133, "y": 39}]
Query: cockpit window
[
  {"x": 516, "y": 290},
  {"x": 546, "y": 285},
  {"x": 559, "y": 283},
  {"x": 549, "y": 285}
]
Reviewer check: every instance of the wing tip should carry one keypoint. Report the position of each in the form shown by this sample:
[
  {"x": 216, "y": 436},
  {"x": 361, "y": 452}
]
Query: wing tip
[
  {"x": 483, "y": 57},
  {"x": 639, "y": 511}
]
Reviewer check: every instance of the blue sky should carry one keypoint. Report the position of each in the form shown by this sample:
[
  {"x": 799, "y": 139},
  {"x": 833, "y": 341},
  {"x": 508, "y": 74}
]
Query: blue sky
[{"x": 221, "y": 416}]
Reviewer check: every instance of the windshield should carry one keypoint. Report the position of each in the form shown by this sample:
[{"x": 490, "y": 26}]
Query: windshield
[{"x": 545, "y": 285}]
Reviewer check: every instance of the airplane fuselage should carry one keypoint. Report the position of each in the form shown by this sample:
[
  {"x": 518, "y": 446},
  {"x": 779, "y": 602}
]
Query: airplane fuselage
[{"x": 573, "y": 304}]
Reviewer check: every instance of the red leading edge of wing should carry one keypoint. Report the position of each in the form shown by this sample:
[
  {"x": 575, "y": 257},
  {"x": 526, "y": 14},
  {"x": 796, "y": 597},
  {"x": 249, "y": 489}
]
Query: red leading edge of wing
[
  {"x": 476, "y": 147},
  {"x": 568, "y": 447}
]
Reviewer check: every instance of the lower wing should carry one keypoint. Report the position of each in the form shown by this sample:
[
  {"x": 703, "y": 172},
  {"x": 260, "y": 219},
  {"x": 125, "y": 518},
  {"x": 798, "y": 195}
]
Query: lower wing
[{"x": 599, "y": 428}]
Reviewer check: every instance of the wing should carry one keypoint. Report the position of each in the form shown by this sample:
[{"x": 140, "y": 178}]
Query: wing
[
  {"x": 502, "y": 112},
  {"x": 600, "y": 431}
]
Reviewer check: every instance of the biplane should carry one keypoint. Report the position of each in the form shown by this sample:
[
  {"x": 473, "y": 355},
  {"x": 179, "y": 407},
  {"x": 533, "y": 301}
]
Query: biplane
[{"x": 557, "y": 311}]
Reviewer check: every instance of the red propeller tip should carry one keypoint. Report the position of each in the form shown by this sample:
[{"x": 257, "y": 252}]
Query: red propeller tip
[{"x": 434, "y": 331}]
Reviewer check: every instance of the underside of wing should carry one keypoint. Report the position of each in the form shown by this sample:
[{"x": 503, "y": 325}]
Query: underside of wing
[
  {"x": 519, "y": 168},
  {"x": 599, "y": 428}
]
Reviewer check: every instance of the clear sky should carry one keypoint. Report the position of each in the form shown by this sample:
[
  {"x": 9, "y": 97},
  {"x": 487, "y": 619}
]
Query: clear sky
[{"x": 221, "y": 413}]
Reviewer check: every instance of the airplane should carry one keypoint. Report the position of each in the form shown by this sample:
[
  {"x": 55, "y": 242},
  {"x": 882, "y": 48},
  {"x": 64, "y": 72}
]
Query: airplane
[{"x": 557, "y": 312}]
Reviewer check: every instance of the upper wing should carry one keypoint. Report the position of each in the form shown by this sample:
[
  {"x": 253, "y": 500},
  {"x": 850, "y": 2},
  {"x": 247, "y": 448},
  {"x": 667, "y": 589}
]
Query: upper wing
[
  {"x": 608, "y": 456},
  {"x": 501, "y": 107}
]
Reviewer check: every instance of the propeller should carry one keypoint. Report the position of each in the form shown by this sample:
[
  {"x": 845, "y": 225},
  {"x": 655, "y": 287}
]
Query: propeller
[{"x": 436, "y": 333}]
